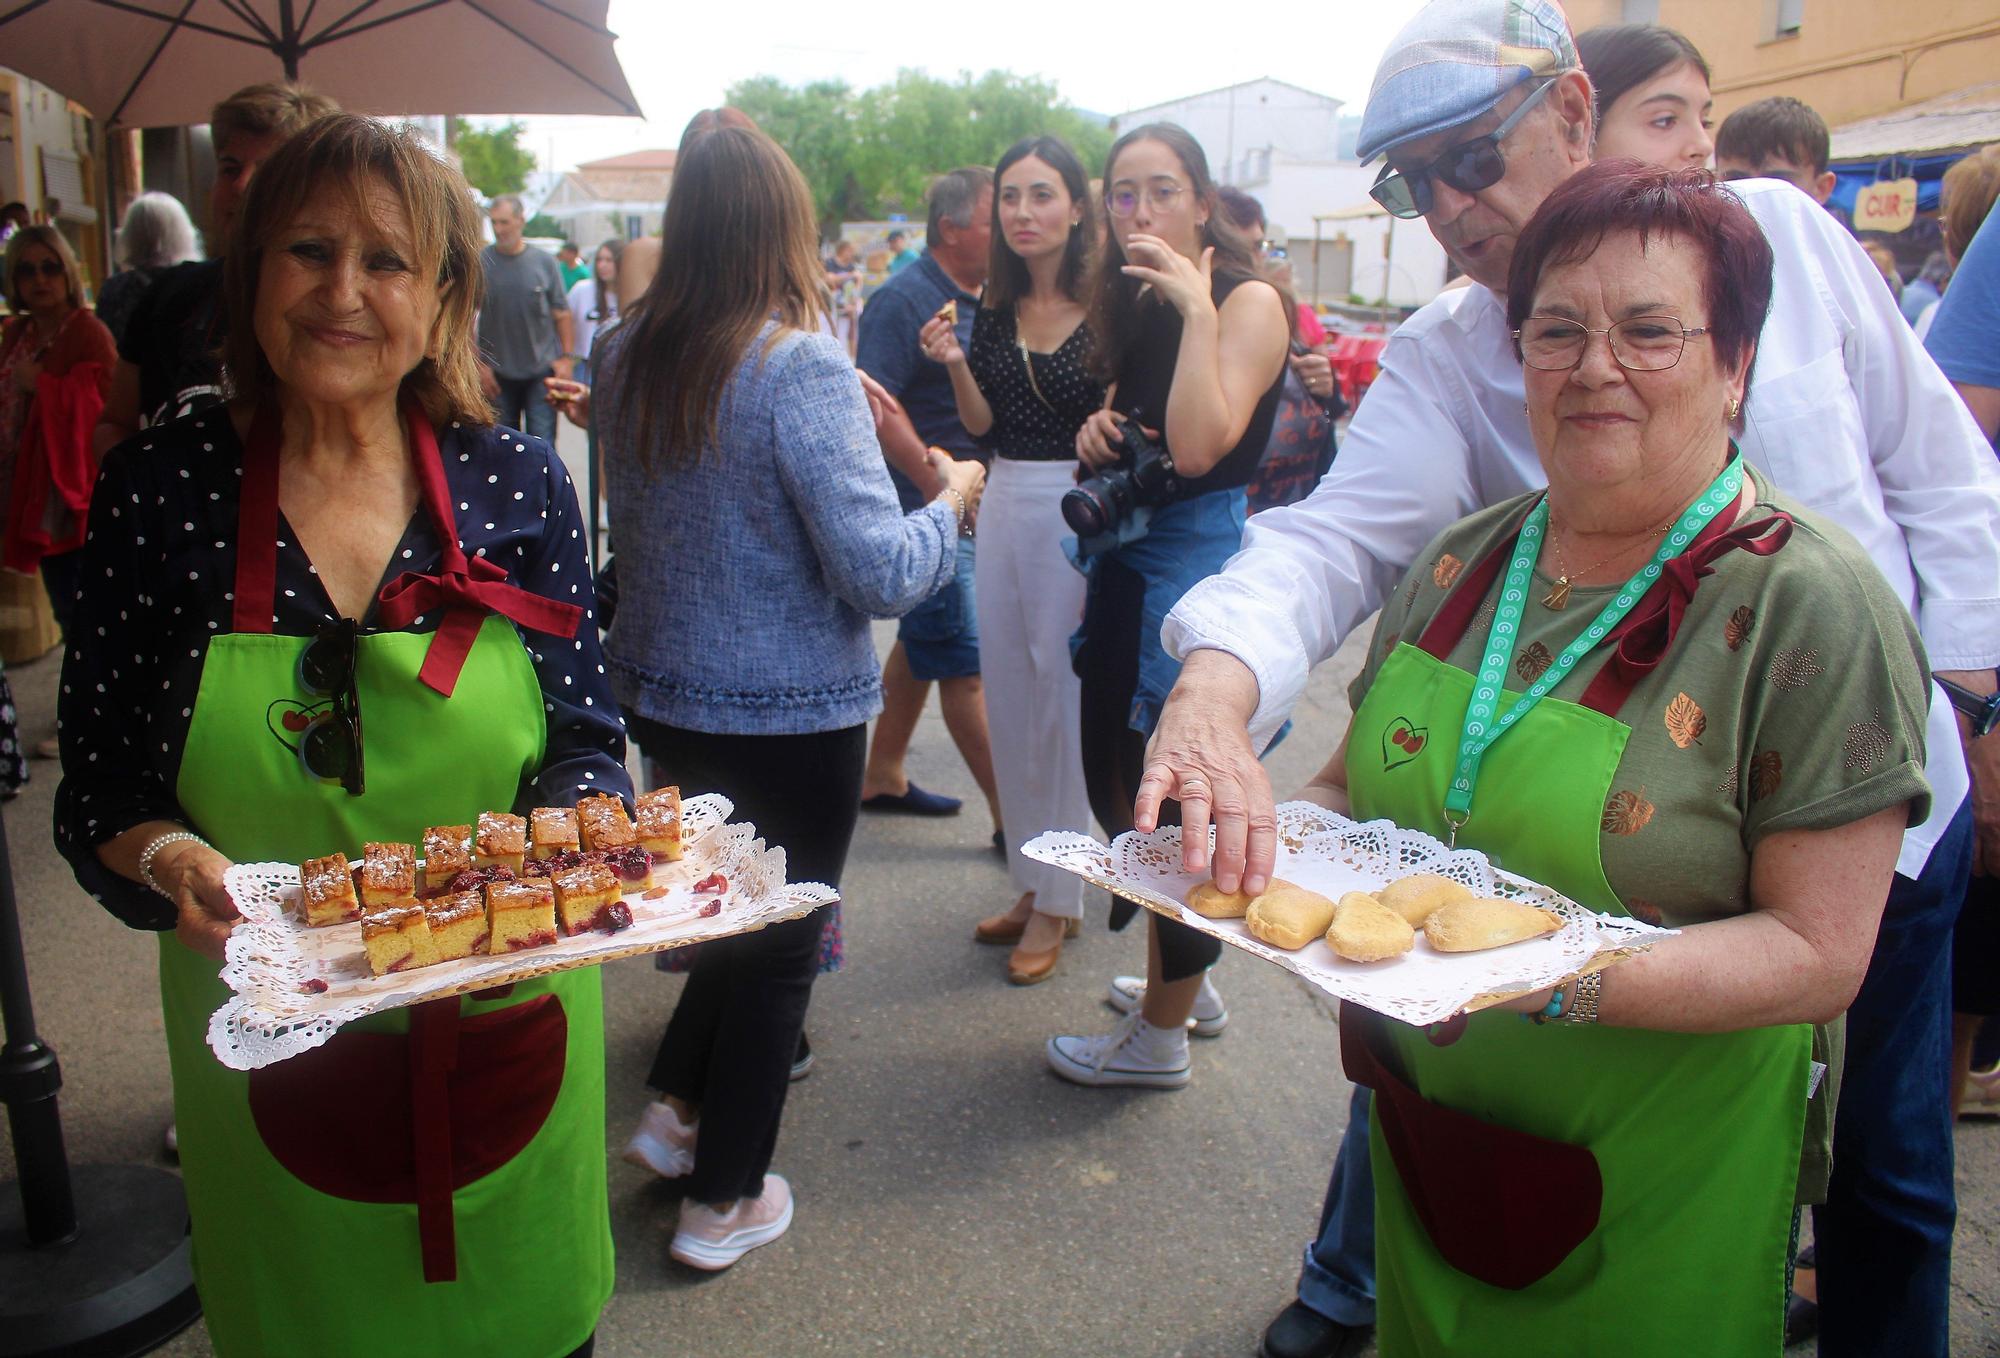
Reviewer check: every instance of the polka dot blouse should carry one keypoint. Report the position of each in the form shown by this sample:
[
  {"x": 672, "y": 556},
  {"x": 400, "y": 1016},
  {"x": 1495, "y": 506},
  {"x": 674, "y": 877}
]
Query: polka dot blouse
[
  {"x": 158, "y": 572},
  {"x": 1032, "y": 421}
]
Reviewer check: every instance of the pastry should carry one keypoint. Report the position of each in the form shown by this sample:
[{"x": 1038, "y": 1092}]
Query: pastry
[
  {"x": 388, "y": 875},
  {"x": 326, "y": 891},
  {"x": 948, "y": 313},
  {"x": 1415, "y": 896},
  {"x": 1481, "y": 923},
  {"x": 457, "y": 923},
  {"x": 586, "y": 896},
  {"x": 1211, "y": 902},
  {"x": 551, "y": 830},
  {"x": 447, "y": 852},
  {"x": 397, "y": 938},
  {"x": 519, "y": 915},
  {"x": 603, "y": 823},
  {"x": 1365, "y": 930},
  {"x": 1288, "y": 916},
  {"x": 660, "y": 823},
  {"x": 499, "y": 841}
]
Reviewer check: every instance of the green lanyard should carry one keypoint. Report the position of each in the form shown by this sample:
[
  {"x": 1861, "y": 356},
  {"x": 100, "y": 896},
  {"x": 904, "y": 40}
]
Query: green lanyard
[{"x": 1481, "y": 730}]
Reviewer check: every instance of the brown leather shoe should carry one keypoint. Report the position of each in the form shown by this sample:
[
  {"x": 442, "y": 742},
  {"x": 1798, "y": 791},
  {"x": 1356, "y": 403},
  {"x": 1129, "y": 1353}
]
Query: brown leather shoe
[
  {"x": 1031, "y": 968},
  {"x": 1002, "y": 928}
]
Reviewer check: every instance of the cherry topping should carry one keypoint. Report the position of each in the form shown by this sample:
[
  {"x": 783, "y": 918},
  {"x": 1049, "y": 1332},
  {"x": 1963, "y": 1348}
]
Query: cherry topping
[
  {"x": 615, "y": 916},
  {"x": 710, "y": 909},
  {"x": 315, "y": 986},
  {"x": 715, "y": 881}
]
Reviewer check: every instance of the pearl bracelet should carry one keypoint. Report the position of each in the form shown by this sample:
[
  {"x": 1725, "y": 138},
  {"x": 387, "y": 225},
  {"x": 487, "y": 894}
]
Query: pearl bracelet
[{"x": 152, "y": 851}]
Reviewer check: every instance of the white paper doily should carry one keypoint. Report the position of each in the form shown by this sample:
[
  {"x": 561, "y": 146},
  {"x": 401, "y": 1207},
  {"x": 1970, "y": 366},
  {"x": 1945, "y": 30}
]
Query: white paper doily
[
  {"x": 275, "y": 964},
  {"x": 1328, "y": 853}
]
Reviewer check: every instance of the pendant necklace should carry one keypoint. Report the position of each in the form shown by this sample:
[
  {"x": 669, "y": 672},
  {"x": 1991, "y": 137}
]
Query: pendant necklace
[{"x": 1557, "y": 598}]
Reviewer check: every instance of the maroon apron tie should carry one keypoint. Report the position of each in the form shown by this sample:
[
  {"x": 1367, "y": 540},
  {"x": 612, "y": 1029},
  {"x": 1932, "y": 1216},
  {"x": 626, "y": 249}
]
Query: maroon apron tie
[{"x": 433, "y": 1056}]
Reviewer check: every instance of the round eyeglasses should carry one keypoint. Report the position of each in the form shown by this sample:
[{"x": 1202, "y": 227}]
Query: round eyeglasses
[
  {"x": 1163, "y": 198},
  {"x": 1638, "y": 343}
]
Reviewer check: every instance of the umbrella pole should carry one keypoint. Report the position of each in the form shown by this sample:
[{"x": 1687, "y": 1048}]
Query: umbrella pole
[{"x": 95, "y": 1263}]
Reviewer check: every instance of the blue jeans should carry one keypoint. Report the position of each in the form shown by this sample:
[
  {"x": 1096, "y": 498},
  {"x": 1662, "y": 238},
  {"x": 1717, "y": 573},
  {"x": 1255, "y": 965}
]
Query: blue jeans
[
  {"x": 1338, "y": 1279},
  {"x": 523, "y": 404},
  {"x": 1884, "y": 1232}
]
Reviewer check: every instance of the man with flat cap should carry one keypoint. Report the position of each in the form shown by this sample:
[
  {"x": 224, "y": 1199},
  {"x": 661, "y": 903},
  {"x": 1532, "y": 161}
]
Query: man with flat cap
[{"x": 1481, "y": 109}]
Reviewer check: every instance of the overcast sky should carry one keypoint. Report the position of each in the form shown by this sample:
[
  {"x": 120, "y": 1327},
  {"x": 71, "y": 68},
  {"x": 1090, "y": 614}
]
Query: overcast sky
[{"x": 1105, "y": 58}]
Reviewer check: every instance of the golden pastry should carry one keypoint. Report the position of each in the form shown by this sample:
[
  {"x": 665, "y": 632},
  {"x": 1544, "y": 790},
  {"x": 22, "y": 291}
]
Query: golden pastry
[
  {"x": 948, "y": 313},
  {"x": 1212, "y": 902},
  {"x": 1365, "y": 930},
  {"x": 1415, "y": 896},
  {"x": 1289, "y": 916},
  {"x": 1481, "y": 923}
]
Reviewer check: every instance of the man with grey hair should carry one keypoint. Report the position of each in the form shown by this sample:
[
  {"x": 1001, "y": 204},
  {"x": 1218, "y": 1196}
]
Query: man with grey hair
[
  {"x": 524, "y": 324},
  {"x": 938, "y": 640}
]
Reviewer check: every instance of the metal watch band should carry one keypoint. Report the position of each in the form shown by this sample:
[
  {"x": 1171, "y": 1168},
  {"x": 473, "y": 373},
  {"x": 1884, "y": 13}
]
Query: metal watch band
[{"x": 1583, "y": 999}]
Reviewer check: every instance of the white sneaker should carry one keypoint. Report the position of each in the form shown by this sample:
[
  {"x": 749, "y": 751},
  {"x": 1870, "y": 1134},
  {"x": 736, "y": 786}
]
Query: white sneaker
[
  {"x": 663, "y": 1143},
  {"x": 1133, "y": 1053},
  {"x": 712, "y": 1240},
  {"x": 1209, "y": 1018}
]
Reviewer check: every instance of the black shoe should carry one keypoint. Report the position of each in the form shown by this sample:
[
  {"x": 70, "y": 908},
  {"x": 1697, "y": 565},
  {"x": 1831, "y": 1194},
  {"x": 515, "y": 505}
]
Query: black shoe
[
  {"x": 1301, "y": 1332},
  {"x": 1801, "y": 1319},
  {"x": 802, "y": 1060}
]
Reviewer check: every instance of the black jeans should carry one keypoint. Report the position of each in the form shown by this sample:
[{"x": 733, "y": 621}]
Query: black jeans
[
  {"x": 1114, "y": 755},
  {"x": 61, "y": 574},
  {"x": 729, "y": 1046}
]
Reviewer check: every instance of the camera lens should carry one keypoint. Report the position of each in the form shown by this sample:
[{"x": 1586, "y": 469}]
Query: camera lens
[{"x": 1086, "y": 515}]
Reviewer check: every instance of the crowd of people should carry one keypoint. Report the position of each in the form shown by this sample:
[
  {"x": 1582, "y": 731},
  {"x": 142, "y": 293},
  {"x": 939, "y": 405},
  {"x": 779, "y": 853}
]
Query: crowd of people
[{"x": 1679, "y": 519}]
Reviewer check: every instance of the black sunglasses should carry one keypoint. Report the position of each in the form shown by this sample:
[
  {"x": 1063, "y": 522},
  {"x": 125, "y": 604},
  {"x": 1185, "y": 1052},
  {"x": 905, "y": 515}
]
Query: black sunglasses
[
  {"x": 330, "y": 746},
  {"x": 48, "y": 268},
  {"x": 1468, "y": 167}
]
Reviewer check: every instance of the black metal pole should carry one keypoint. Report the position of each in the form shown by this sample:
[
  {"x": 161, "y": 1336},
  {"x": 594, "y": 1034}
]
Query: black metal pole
[{"x": 29, "y": 1081}]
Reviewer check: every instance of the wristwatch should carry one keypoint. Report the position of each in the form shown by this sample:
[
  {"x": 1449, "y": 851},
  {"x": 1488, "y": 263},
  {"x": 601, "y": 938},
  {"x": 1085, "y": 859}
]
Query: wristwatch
[{"x": 1982, "y": 708}]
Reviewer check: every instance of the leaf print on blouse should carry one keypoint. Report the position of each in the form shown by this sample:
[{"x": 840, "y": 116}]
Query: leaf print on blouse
[
  {"x": 1627, "y": 813},
  {"x": 1795, "y": 668},
  {"x": 1533, "y": 662},
  {"x": 1685, "y": 720},
  {"x": 1866, "y": 745},
  {"x": 1731, "y": 781},
  {"x": 1737, "y": 630},
  {"x": 1483, "y": 618},
  {"x": 1446, "y": 570},
  {"x": 1767, "y": 774}
]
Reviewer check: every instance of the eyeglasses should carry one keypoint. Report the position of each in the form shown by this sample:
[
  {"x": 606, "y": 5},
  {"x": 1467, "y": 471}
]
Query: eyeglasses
[
  {"x": 1638, "y": 343},
  {"x": 1468, "y": 167},
  {"x": 1159, "y": 197},
  {"x": 330, "y": 746},
  {"x": 48, "y": 268},
  {"x": 1271, "y": 251}
]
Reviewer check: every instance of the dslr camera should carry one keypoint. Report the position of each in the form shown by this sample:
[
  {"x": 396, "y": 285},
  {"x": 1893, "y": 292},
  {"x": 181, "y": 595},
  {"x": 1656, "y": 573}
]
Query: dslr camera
[{"x": 1143, "y": 478}]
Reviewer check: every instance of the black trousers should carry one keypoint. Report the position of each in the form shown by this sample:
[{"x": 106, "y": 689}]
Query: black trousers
[
  {"x": 1114, "y": 755},
  {"x": 728, "y": 1048}
]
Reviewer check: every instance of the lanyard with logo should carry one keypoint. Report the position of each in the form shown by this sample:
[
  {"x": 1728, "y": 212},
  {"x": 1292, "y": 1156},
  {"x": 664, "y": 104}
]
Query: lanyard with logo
[{"x": 1481, "y": 728}]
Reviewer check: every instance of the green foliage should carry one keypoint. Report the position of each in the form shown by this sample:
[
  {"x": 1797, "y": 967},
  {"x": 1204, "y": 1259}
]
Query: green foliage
[
  {"x": 874, "y": 152},
  {"x": 541, "y": 224},
  {"x": 493, "y": 157}
]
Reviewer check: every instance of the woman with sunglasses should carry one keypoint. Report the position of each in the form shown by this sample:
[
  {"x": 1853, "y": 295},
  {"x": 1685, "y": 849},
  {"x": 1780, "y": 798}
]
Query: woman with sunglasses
[
  {"x": 1026, "y": 387},
  {"x": 1193, "y": 341},
  {"x": 235, "y": 635}
]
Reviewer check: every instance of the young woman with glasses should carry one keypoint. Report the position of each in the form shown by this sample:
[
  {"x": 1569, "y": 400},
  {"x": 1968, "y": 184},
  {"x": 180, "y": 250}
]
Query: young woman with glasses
[
  {"x": 1193, "y": 341},
  {"x": 1026, "y": 386}
]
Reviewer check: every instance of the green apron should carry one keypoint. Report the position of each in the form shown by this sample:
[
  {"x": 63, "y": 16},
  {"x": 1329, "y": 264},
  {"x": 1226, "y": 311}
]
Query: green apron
[
  {"x": 1559, "y": 1188},
  {"x": 304, "y": 1178}
]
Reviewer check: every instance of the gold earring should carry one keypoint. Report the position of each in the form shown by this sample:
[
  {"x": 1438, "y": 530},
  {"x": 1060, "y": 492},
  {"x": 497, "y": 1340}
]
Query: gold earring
[{"x": 1735, "y": 407}]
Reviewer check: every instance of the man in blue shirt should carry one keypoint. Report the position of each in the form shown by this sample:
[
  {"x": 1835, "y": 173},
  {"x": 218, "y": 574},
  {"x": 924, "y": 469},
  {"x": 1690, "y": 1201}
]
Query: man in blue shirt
[
  {"x": 939, "y": 639},
  {"x": 901, "y": 253},
  {"x": 1965, "y": 337}
]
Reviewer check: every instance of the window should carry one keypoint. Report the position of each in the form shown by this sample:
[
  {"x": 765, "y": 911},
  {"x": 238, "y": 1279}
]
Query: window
[
  {"x": 1639, "y": 12},
  {"x": 1790, "y": 16},
  {"x": 635, "y": 226}
]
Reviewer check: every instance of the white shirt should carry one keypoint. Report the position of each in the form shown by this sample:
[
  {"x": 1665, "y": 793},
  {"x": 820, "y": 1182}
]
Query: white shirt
[
  {"x": 584, "y": 325},
  {"x": 1846, "y": 413}
]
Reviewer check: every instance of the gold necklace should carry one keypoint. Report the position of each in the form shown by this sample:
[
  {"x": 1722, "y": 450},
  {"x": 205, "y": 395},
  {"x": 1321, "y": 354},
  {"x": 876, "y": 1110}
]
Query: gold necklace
[{"x": 1558, "y": 596}]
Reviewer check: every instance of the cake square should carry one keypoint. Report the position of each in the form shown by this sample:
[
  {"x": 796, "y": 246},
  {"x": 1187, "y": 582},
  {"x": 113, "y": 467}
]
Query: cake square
[
  {"x": 500, "y": 840},
  {"x": 519, "y": 915},
  {"x": 396, "y": 939},
  {"x": 660, "y": 823},
  {"x": 551, "y": 830},
  {"x": 447, "y": 852},
  {"x": 326, "y": 891},
  {"x": 604, "y": 824},
  {"x": 388, "y": 875},
  {"x": 584, "y": 896},
  {"x": 457, "y": 923}
]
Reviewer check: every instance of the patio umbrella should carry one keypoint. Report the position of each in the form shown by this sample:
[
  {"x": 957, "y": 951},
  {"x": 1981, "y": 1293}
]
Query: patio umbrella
[{"x": 165, "y": 63}]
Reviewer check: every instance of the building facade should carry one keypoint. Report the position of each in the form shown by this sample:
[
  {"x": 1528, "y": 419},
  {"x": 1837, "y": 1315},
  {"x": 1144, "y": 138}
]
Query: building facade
[{"x": 621, "y": 196}]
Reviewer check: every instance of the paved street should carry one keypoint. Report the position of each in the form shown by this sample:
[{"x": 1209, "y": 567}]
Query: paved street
[{"x": 954, "y": 1196}]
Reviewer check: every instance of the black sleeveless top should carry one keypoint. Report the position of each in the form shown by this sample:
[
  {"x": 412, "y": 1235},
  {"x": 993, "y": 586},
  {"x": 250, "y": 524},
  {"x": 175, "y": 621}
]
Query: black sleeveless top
[
  {"x": 1035, "y": 417},
  {"x": 1146, "y": 378}
]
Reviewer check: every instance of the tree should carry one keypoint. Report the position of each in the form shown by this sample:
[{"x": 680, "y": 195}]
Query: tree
[{"x": 493, "y": 158}]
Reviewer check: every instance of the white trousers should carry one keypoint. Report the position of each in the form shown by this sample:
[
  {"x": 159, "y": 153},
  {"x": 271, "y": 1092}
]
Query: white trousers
[{"x": 1030, "y": 601}]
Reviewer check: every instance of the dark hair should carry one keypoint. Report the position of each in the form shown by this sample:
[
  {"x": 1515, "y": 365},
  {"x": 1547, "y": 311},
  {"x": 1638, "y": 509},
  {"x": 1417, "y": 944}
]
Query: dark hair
[
  {"x": 1619, "y": 58},
  {"x": 1627, "y": 195},
  {"x": 1007, "y": 272},
  {"x": 952, "y": 197},
  {"x": 1780, "y": 125},
  {"x": 1115, "y": 319},
  {"x": 1241, "y": 208},
  {"x": 616, "y": 245},
  {"x": 895, "y": 236}
]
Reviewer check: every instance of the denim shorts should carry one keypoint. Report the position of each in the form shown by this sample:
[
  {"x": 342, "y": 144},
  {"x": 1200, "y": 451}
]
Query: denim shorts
[{"x": 940, "y": 636}]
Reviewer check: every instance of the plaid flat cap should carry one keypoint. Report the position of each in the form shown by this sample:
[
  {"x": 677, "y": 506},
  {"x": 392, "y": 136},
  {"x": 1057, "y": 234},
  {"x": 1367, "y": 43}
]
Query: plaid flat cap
[{"x": 1455, "y": 61}]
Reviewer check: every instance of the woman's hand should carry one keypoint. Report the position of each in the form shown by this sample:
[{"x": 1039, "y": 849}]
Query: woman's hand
[
  {"x": 1315, "y": 371},
  {"x": 1184, "y": 283},
  {"x": 571, "y": 398},
  {"x": 1099, "y": 443},
  {"x": 192, "y": 872},
  {"x": 26, "y": 375},
  {"x": 881, "y": 405},
  {"x": 968, "y": 479},
  {"x": 1201, "y": 756},
  {"x": 939, "y": 341}
]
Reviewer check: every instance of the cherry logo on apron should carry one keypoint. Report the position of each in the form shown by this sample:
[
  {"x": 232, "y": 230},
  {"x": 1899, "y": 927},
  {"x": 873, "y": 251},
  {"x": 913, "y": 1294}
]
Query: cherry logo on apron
[{"x": 1402, "y": 742}]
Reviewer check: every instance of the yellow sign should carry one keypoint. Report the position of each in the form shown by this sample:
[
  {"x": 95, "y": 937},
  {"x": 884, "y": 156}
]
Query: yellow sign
[{"x": 1888, "y": 206}]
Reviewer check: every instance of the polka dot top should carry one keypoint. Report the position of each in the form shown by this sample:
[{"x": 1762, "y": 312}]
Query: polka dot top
[
  {"x": 1027, "y": 426},
  {"x": 158, "y": 572}
]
